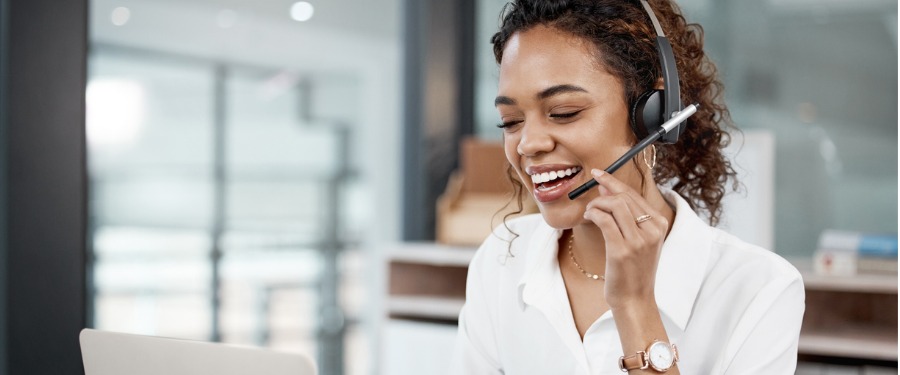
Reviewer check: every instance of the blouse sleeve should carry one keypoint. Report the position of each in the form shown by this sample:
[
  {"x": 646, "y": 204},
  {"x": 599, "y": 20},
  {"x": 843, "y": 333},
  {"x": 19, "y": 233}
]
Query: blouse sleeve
[
  {"x": 766, "y": 338},
  {"x": 476, "y": 345}
]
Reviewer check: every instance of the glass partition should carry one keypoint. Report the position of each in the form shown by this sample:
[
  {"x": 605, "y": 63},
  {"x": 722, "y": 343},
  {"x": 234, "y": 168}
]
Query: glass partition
[
  {"x": 150, "y": 162},
  {"x": 235, "y": 150}
]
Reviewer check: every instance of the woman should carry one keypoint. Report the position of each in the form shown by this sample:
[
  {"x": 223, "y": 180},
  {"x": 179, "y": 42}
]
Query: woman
[{"x": 626, "y": 277}]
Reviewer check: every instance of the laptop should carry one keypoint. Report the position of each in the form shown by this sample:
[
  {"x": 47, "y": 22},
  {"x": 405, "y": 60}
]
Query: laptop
[{"x": 112, "y": 353}]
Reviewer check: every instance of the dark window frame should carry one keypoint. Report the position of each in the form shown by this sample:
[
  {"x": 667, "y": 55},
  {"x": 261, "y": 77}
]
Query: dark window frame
[
  {"x": 439, "y": 63},
  {"x": 43, "y": 186}
]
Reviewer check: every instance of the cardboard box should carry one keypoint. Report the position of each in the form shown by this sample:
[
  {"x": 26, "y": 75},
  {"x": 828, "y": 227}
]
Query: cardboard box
[{"x": 478, "y": 196}]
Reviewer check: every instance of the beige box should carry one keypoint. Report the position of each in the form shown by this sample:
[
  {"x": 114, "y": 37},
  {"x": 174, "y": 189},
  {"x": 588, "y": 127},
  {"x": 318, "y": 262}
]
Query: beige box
[{"x": 478, "y": 195}]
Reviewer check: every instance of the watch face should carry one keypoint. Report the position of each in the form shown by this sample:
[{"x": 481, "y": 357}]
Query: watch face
[{"x": 661, "y": 356}]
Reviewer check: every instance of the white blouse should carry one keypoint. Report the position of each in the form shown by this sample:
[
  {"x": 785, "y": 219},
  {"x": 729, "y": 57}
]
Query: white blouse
[{"x": 730, "y": 307}]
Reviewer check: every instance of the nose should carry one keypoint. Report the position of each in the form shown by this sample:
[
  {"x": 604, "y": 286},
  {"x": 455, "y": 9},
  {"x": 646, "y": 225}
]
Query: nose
[{"x": 535, "y": 139}]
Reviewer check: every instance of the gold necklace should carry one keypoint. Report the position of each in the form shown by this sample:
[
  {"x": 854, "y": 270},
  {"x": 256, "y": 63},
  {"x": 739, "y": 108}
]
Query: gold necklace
[{"x": 589, "y": 275}]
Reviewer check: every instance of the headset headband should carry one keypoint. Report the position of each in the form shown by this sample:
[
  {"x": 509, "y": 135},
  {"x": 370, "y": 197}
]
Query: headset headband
[{"x": 672, "y": 92}]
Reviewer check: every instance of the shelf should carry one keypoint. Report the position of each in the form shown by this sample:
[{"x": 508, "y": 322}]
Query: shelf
[
  {"x": 883, "y": 283},
  {"x": 851, "y": 342},
  {"x": 442, "y": 308},
  {"x": 427, "y": 280},
  {"x": 861, "y": 283},
  {"x": 432, "y": 254}
]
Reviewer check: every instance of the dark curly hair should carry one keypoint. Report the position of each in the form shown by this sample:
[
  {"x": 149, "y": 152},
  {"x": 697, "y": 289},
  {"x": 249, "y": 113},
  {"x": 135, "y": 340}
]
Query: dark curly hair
[{"x": 623, "y": 35}]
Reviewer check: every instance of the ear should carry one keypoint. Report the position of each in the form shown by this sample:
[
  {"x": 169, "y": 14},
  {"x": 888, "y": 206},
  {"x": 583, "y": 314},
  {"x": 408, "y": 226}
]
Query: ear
[{"x": 660, "y": 84}]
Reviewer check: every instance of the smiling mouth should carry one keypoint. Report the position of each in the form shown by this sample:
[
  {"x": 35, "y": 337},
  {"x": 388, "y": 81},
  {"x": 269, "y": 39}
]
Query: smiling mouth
[{"x": 549, "y": 180}]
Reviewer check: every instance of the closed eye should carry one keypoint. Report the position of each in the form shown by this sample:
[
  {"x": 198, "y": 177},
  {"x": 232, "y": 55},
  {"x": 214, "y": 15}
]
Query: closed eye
[
  {"x": 564, "y": 115},
  {"x": 504, "y": 125}
]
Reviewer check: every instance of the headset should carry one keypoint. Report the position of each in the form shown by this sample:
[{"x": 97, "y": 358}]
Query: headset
[{"x": 653, "y": 107}]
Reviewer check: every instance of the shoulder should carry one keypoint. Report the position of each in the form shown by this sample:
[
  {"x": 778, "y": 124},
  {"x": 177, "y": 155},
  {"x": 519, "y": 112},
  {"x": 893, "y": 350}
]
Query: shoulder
[
  {"x": 513, "y": 233},
  {"x": 729, "y": 262},
  {"x": 753, "y": 269},
  {"x": 508, "y": 243},
  {"x": 753, "y": 257}
]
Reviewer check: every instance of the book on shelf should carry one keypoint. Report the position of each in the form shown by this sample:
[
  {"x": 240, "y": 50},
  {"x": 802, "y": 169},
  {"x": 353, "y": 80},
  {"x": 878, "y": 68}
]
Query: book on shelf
[
  {"x": 867, "y": 265},
  {"x": 846, "y": 253}
]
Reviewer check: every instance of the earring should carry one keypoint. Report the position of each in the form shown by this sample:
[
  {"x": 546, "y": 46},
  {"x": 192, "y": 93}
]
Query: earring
[{"x": 652, "y": 163}]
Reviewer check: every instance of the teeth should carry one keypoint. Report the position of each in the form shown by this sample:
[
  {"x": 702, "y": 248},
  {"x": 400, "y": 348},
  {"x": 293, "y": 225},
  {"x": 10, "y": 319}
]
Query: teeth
[{"x": 540, "y": 178}]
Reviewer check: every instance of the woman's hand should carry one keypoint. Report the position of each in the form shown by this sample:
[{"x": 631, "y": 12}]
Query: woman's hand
[{"x": 632, "y": 247}]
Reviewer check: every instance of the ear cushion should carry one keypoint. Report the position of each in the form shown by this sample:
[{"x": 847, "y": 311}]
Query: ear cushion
[{"x": 646, "y": 113}]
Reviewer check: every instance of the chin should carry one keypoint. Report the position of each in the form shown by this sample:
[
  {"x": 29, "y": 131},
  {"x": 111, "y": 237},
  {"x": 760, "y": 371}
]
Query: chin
[{"x": 563, "y": 217}]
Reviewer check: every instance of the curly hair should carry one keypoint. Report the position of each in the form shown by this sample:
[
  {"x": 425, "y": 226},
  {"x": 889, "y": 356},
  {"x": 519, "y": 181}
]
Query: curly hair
[{"x": 623, "y": 35}]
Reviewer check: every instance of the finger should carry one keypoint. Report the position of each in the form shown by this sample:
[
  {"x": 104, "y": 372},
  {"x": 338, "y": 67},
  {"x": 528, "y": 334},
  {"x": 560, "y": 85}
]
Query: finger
[
  {"x": 607, "y": 224},
  {"x": 622, "y": 212},
  {"x": 610, "y": 182},
  {"x": 613, "y": 185}
]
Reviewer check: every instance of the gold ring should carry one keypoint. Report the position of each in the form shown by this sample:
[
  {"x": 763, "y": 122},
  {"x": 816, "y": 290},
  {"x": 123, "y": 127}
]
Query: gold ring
[{"x": 642, "y": 219}]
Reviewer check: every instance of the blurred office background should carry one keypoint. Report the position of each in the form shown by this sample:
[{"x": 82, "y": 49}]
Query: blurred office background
[
  {"x": 252, "y": 168},
  {"x": 241, "y": 155}
]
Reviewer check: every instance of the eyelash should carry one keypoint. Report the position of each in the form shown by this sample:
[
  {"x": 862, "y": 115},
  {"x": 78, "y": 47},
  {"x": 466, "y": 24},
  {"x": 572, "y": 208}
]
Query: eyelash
[
  {"x": 562, "y": 116},
  {"x": 504, "y": 125}
]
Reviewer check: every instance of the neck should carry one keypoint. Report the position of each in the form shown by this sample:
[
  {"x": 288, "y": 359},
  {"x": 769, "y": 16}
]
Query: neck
[{"x": 589, "y": 247}]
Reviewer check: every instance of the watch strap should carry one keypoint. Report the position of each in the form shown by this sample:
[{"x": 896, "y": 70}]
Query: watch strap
[{"x": 636, "y": 361}]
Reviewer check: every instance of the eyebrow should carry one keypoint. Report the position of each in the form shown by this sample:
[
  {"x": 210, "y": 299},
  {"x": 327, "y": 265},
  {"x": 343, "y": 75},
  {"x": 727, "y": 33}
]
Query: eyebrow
[{"x": 546, "y": 93}]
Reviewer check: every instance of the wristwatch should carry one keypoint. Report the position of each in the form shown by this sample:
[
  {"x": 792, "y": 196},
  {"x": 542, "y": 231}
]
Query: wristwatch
[{"x": 660, "y": 356}]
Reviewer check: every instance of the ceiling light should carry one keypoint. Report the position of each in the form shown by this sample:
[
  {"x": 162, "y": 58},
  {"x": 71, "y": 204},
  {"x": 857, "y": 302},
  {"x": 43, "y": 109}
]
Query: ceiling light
[
  {"x": 301, "y": 11},
  {"x": 120, "y": 16}
]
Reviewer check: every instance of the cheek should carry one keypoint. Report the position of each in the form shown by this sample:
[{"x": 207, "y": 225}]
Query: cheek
[{"x": 603, "y": 143}]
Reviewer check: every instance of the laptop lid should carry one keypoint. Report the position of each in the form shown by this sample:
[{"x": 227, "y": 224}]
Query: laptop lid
[{"x": 111, "y": 353}]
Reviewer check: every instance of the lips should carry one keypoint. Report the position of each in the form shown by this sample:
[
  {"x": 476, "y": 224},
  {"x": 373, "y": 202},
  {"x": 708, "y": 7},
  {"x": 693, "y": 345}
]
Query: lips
[{"x": 552, "y": 182}]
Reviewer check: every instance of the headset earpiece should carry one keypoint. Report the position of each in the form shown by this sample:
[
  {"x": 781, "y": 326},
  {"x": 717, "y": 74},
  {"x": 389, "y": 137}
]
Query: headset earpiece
[{"x": 647, "y": 113}]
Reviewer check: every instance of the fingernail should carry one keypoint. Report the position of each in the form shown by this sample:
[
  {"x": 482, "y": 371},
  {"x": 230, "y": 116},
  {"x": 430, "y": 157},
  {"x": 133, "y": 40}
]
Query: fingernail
[{"x": 597, "y": 173}]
